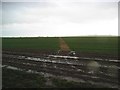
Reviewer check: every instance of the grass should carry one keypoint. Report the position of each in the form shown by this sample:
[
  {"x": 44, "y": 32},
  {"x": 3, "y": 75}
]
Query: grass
[
  {"x": 93, "y": 44},
  {"x": 104, "y": 45},
  {"x": 43, "y": 43}
]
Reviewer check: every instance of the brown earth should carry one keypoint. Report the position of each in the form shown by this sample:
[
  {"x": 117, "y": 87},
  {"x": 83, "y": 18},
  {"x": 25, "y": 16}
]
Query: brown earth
[
  {"x": 63, "y": 45},
  {"x": 49, "y": 52}
]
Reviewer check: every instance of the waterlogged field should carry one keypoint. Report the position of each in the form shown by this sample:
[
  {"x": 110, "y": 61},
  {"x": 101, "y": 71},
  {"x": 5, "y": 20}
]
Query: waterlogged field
[{"x": 107, "y": 45}]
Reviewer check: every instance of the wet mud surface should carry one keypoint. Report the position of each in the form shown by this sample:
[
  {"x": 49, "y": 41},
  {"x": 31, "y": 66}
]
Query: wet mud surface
[{"x": 96, "y": 71}]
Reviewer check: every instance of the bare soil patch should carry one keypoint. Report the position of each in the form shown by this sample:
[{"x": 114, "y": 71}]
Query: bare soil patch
[{"x": 63, "y": 45}]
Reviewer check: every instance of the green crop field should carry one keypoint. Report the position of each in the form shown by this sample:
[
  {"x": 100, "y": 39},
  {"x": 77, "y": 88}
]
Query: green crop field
[
  {"x": 93, "y": 44},
  {"x": 38, "y": 43},
  {"x": 81, "y": 44}
]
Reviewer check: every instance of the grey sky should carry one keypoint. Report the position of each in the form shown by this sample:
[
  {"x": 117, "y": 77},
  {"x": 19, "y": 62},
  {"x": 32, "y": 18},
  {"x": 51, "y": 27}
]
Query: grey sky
[{"x": 59, "y": 18}]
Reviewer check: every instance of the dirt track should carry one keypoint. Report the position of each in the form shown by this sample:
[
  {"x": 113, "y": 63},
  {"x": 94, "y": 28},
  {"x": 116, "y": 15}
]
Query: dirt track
[{"x": 63, "y": 45}]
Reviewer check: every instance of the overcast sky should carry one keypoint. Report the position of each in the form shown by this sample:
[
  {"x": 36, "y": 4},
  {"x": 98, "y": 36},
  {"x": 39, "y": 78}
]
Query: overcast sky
[{"x": 59, "y": 18}]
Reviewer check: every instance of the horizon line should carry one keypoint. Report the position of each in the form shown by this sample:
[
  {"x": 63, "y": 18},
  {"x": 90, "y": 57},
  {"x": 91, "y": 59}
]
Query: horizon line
[{"x": 62, "y": 36}]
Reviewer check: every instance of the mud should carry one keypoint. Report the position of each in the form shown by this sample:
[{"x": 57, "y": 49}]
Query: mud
[{"x": 93, "y": 72}]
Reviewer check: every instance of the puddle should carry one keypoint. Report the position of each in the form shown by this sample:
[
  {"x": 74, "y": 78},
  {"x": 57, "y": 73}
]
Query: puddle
[
  {"x": 72, "y": 60},
  {"x": 13, "y": 68}
]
